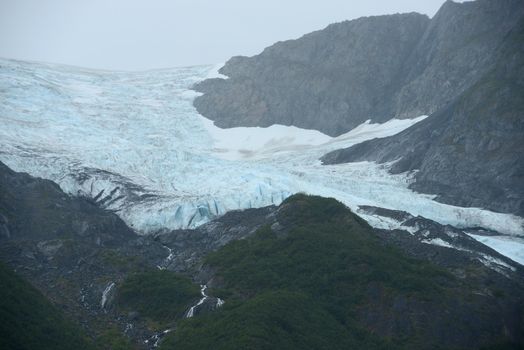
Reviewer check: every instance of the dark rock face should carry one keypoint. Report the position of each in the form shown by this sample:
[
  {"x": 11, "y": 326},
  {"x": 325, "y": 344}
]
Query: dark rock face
[
  {"x": 370, "y": 68},
  {"x": 330, "y": 80},
  {"x": 74, "y": 252},
  {"x": 444, "y": 245},
  {"x": 470, "y": 153},
  {"x": 458, "y": 46},
  {"x": 189, "y": 247},
  {"x": 37, "y": 209}
]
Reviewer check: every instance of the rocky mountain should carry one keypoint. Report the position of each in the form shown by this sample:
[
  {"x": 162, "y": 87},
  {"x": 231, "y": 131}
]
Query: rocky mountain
[
  {"x": 470, "y": 153},
  {"x": 29, "y": 321},
  {"x": 371, "y": 68},
  {"x": 70, "y": 249},
  {"x": 463, "y": 67},
  {"x": 122, "y": 289},
  {"x": 95, "y": 269},
  {"x": 331, "y": 80},
  {"x": 126, "y": 221},
  {"x": 318, "y": 276}
]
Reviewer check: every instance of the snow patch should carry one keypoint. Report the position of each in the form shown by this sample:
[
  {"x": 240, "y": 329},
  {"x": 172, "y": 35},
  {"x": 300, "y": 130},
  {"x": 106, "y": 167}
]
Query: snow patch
[
  {"x": 214, "y": 72},
  {"x": 495, "y": 263},
  {"x": 439, "y": 242},
  {"x": 249, "y": 142}
]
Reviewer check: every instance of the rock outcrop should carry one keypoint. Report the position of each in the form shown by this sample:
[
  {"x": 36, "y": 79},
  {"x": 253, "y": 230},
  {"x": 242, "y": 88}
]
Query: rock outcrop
[
  {"x": 470, "y": 153},
  {"x": 371, "y": 68}
]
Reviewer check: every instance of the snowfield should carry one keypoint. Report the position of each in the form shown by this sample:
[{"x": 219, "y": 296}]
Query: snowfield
[{"x": 135, "y": 143}]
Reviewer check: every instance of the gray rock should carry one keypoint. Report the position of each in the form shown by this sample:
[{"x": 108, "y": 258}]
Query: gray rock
[
  {"x": 371, "y": 68},
  {"x": 330, "y": 80},
  {"x": 470, "y": 153},
  {"x": 50, "y": 248}
]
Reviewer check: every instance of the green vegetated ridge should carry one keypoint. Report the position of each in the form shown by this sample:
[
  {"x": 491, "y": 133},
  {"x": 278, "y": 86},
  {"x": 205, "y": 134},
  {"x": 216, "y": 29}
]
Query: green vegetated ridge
[
  {"x": 159, "y": 295},
  {"x": 306, "y": 287},
  {"x": 29, "y": 321}
]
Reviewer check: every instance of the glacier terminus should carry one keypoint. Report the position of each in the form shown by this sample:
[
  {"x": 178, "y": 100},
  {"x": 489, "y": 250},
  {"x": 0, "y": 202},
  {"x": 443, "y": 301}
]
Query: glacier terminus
[{"x": 134, "y": 143}]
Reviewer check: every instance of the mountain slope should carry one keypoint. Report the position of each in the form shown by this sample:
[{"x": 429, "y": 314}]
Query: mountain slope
[
  {"x": 471, "y": 153},
  {"x": 330, "y": 80},
  {"x": 286, "y": 281},
  {"x": 54, "y": 214},
  {"x": 75, "y": 253},
  {"x": 95, "y": 269},
  {"x": 316, "y": 260},
  {"x": 370, "y": 68},
  {"x": 29, "y": 321}
]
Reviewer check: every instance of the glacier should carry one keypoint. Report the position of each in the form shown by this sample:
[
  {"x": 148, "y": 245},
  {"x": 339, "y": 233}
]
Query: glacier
[
  {"x": 512, "y": 247},
  {"x": 134, "y": 143}
]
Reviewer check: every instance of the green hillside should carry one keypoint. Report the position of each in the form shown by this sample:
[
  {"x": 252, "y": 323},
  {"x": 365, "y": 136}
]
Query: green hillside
[
  {"x": 323, "y": 279},
  {"x": 29, "y": 321}
]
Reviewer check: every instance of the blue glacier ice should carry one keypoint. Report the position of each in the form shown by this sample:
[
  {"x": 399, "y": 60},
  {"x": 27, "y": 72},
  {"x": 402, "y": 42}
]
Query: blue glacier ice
[{"x": 133, "y": 142}]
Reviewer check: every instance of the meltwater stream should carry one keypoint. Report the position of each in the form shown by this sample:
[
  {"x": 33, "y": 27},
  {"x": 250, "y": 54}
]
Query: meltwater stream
[
  {"x": 105, "y": 294},
  {"x": 134, "y": 143},
  {"x": 191, "y": 311}
]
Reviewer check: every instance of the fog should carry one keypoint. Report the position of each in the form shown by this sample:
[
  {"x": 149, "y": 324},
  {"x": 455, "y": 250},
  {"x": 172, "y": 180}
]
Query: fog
[{"x": 149, "y": 34}]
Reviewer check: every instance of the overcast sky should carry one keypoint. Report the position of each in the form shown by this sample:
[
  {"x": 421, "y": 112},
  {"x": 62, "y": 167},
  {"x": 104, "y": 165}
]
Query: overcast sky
[{"x": 147, "y": 34}]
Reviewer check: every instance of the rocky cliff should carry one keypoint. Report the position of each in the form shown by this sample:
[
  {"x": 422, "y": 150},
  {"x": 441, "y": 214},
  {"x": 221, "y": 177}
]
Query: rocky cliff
[
  {"x": 470, "y": 153},
  {"x": 371, "y": 68}
]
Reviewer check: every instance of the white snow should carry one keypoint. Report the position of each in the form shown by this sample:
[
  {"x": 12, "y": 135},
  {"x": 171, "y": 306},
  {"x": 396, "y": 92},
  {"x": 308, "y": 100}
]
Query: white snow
[
  {"x": 512, "y": 247},
  {"x": 250, "y": 142},
  {"x": 220, "y": 302},
  {"x": 138, "y": 136},
  {"x": 214, "y": 72},
  {"x": 439, "y": 242},
  {"x": 495, "y": 263}
]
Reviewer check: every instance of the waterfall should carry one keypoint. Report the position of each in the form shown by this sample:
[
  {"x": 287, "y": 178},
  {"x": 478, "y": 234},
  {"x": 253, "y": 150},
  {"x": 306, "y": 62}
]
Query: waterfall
[
  {"x": 203, "y": 288},
  {"x": 191, "y": 311},
  {"x": 168, "y": 259},
  {"x": 105, "y": 293},
  {"x": 155, "y": 339}
]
